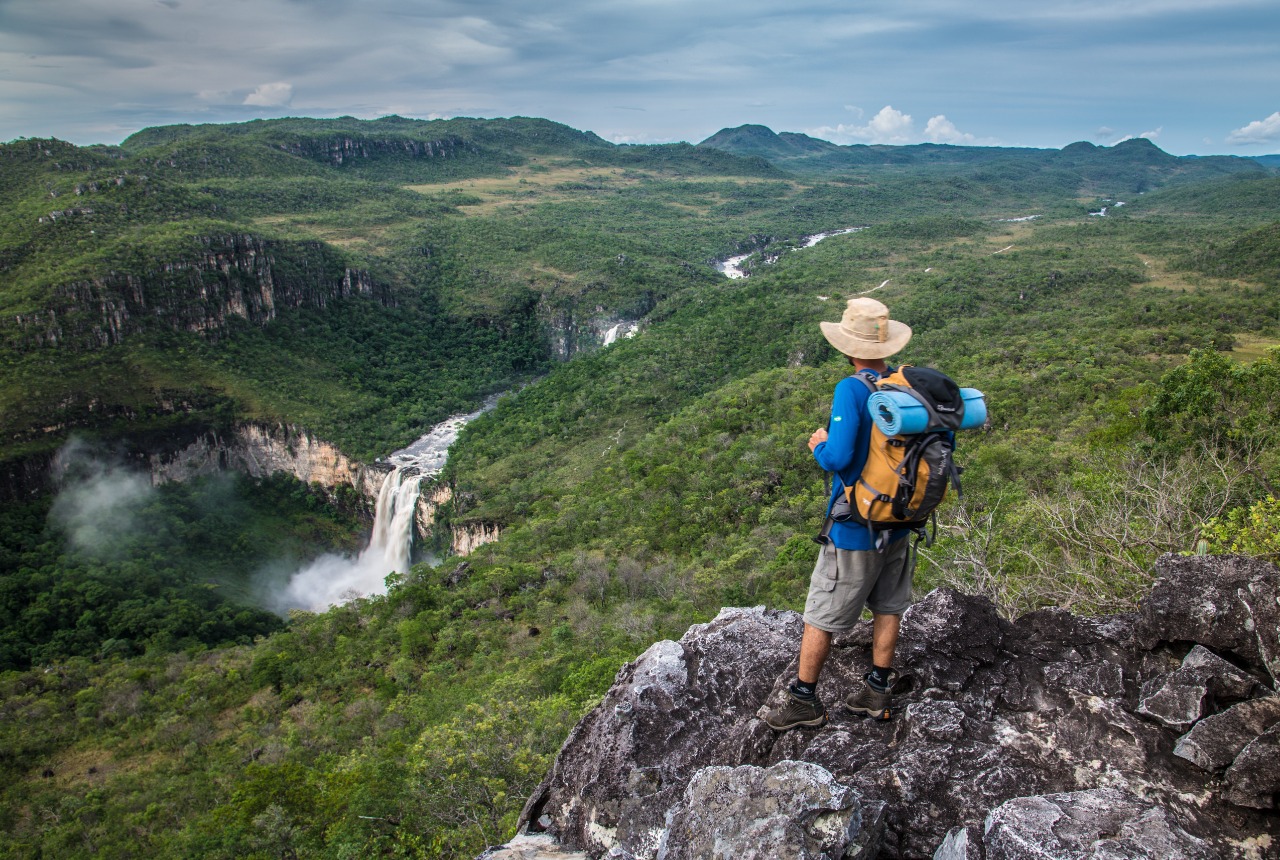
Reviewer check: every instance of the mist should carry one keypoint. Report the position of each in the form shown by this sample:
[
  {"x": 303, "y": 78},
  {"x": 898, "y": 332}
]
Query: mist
[
  {"x": 99, "y": 500},
  {"x": 334, "y": 578}
]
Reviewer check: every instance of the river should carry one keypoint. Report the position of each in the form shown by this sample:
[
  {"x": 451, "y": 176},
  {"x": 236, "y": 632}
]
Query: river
[{"x": 732, "y": 267}]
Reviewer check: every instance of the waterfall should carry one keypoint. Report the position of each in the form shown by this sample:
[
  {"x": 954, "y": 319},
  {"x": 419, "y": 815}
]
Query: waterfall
[{"x": 333, "y": 579}]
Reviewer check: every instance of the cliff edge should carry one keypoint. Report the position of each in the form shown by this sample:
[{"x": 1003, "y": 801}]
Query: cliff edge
[{"x": 1150, "y": 734}]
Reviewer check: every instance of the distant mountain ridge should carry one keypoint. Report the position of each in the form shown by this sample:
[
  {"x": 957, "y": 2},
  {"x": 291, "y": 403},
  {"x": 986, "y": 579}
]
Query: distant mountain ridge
[
  {"x": 399, "y": 149},
  {"x": 804, "y": 154}
]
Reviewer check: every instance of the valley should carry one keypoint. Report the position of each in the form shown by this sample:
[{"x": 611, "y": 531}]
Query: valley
[{"x": 355, "y": 283}]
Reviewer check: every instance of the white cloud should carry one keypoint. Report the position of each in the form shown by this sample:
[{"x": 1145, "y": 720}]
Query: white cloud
[
  {"x": 1149, "y": 135},
  {"x": 270, "y": 95},
  {"x": 888, "y": 126},
  {"x": 939, "y": 129},
  {"x": 891, "y": 126},
  {"x": 1259, "y": 131}
]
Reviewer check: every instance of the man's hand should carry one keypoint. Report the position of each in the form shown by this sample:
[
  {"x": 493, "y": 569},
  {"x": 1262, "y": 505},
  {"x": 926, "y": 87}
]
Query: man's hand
[{"x": 819, "y": 436}]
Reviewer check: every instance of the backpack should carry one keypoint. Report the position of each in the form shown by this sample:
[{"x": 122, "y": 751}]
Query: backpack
[{"x": 906, "y": 475}]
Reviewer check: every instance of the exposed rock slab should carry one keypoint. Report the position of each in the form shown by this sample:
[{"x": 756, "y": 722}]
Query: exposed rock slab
[
  {"x": 532, "y": 846},
  {"x": 1215, "y": 741},
  {"x": 1181, "y": 697},
  {"x": 665, "y": 718},
  {"x": 1229, "y": 604},
  {"x": 1004, "y": 733},
  {"x": 259, "y": 450},
  {"x": 793, "y": 809},
  {"x": 1099, "y": 823},
  {"x": 1254, "y": 776}
]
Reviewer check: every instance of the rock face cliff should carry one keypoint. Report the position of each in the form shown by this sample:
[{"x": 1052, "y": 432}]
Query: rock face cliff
[
  {"x": 345, "y": 149},
  {"x": 258, "y": 451},
  {"x": 463, "y": 538},
  {"x": 1154, "y": 734},
  {"x": 228, "y": 276},
  {"x": 571, "y": 329}
]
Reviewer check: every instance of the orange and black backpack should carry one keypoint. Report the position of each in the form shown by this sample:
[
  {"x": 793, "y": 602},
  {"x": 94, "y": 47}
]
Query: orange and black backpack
[{"x": 906, "y": 475}]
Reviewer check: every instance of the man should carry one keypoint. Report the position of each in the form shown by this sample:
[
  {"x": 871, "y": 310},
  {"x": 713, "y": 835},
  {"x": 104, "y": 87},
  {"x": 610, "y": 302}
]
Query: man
[{"x": 855, "y": 567}]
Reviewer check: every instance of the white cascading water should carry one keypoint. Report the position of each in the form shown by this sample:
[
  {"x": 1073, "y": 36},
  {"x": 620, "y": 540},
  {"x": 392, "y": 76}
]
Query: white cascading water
[{"x": 333, "y": 579}]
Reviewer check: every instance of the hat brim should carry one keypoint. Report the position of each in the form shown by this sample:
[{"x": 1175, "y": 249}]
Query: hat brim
[{"x": 899, "y": 334}]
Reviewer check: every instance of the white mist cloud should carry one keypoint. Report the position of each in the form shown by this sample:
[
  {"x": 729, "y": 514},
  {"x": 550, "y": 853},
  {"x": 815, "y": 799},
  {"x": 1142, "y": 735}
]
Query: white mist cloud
[
  {"x": 97, "y": 504},
  {"x": 1259, "y": 131},
  {"x": 890, "y": 125},
  {"x": 271, "y": 95},
  {"x": 1148, "y": 135},
  {"x": 1109, "y": 136},
  {"x": 939, "y": 129},
  {"x": 334, "y": 579}
]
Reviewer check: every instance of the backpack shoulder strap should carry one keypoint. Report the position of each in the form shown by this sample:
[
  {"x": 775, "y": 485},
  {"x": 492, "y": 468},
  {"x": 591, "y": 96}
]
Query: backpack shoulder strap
[{"x": 868, "y": 378}]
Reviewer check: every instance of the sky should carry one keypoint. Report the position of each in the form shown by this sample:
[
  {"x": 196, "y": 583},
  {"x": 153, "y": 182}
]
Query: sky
[{"x": 1194, "y": 76}]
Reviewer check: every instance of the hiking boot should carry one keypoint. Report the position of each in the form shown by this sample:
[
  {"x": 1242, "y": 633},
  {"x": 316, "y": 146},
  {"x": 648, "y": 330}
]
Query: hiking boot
[
  {"x": 796, "y": 712},
  {"x": 867, "y": 701}
]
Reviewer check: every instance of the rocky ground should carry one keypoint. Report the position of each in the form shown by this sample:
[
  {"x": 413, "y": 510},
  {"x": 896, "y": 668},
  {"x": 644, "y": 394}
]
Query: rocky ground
[{"x": 1154, "y": 734}]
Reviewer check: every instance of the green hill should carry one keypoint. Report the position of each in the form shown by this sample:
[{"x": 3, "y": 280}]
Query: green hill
[
  {"x": 200, "y": 276},
  {"x": 269, "y": 243},
  {"x": 1132, "y": 166}
]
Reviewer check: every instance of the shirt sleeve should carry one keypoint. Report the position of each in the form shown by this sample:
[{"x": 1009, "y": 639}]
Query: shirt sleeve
[{"x": 837, "y": 453}]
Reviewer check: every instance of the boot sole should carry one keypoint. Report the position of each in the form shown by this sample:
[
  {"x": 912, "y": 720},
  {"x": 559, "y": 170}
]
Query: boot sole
[
  {"x": 820, "y": 721},
  {"x": 879, "y": 715}
]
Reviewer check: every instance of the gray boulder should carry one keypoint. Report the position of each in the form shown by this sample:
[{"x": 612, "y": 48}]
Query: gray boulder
[
  {"x": 1215, "y": 741},
  {"x": 792, "y": 809},
  {"x": 532, "y": 846},
  {"x": 1230, "y": 604},
  {"x": 668, "y": 715},
  {"x": 1098, "y": 823},
  {"x": 1254, "y": 776},
  {"x": 1054, "y": 731},
  {"x": 1181, "y": 697},
  {"x": 961, "y": 843}
]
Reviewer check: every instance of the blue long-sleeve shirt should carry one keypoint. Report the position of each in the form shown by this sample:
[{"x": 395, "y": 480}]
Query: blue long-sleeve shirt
[{"x": 845, "y": 453}]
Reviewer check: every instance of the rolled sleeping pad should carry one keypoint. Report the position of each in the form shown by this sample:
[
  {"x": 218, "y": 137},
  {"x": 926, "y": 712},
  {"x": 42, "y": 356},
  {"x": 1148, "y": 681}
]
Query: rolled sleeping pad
[{"x": 898, "y": 412}]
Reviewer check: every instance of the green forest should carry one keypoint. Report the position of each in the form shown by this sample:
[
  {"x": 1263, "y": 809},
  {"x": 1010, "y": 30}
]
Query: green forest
[{"x": 1119, "y": 307}]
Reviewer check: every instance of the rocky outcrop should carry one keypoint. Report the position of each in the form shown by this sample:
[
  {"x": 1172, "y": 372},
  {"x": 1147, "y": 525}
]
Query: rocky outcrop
[
  {"x": 227, "y": 276},
  {"x": 434, "y": 496},
  {"x": 1102, "y": 822},
  {"x": 25, "y": 478},
  {"x": 794, "y": 809},
  {"x": 1152, "y": 734},
  {"x": 258, "y": 451},
  {"x": 464, "y": 538},
  {"x": 468, "y": 537},
  {"x": 346, "y": 149}
]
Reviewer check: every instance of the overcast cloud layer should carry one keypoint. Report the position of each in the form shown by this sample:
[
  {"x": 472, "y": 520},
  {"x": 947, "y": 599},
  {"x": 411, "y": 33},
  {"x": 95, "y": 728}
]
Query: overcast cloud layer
[{"x": 1196, "y": 76}]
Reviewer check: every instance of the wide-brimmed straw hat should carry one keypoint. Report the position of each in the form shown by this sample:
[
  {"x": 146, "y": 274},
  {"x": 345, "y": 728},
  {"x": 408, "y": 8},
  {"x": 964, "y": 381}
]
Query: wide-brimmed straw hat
[{"x": 865, "y": 331}]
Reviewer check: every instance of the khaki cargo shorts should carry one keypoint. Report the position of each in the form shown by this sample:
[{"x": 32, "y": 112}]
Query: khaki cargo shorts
[{"x": 845, "y": 580}]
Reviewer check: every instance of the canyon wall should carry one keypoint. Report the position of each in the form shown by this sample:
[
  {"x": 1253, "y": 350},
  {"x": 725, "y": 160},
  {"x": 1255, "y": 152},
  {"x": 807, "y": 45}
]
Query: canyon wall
[{"x": 236, "y": 275}]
